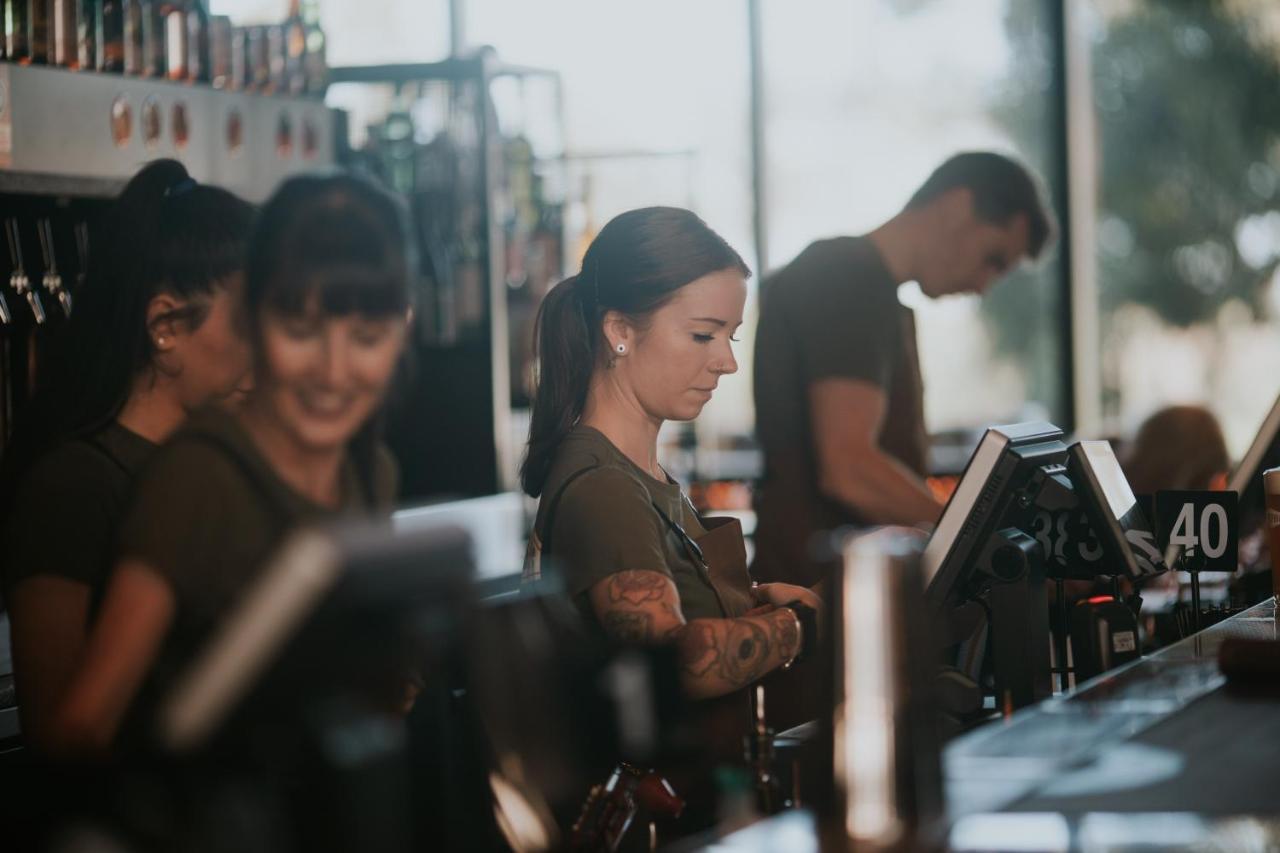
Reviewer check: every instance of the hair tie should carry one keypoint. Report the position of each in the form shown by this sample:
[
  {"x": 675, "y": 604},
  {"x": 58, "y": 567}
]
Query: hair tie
[{"x": 185, "y": 185}]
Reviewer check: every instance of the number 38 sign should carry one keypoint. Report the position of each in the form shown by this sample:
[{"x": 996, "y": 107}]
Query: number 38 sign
[{"x": 1201, "y": 529}]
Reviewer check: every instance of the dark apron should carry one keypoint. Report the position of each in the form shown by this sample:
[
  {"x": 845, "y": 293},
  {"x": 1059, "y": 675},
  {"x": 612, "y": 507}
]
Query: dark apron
[
  {"x": 720, "y": 555},
  {"x": 792, "y": 696},
  {"x": 724, "y": 552}
]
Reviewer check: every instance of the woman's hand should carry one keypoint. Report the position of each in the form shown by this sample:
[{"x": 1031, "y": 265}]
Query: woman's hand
[{"x": 778, "y": 594}]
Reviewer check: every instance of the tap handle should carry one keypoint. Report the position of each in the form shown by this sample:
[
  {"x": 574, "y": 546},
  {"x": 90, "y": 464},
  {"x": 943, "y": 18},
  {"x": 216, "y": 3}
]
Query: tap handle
[
  {"x": 6, "y": 316},
  {"x": 64, "y": 299},
  {"x": 37, "y": 307}
]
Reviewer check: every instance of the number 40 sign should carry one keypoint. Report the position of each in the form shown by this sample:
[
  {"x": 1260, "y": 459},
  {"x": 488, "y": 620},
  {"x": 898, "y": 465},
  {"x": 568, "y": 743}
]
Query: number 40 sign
[{"x": 1200, "y": 528}]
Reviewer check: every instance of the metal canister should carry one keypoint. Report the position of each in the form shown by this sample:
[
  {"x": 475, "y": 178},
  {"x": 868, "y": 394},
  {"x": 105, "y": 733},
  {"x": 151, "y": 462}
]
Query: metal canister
[{"x": 885, "y": 753}]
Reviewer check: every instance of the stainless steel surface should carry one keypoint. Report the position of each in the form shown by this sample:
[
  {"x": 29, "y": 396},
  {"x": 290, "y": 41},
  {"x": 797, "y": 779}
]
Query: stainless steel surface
[{"x": 57, "y": 133}]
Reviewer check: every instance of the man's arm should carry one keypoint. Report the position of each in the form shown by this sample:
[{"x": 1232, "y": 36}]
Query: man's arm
[
  {"x": 717, "y": 656},
  {"x": 847, "y": 415}
]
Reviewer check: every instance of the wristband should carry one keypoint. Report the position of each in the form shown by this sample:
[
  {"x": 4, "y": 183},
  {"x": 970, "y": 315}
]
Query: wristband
[
  {"x": 808, "y": 619},
  {"x": 786, "y": 664}
]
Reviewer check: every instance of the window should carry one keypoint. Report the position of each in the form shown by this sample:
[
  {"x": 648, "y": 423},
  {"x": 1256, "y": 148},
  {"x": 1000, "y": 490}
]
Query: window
[
  {"x": 863, "y": 100},
  {"x": 1188, "y": 233}
]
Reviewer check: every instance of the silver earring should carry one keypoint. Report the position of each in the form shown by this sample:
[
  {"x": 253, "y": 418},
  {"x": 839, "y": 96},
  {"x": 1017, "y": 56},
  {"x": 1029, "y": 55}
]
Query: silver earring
[
  {"x": 159, "y": 342},
  {"x": 622, "y": 348}
]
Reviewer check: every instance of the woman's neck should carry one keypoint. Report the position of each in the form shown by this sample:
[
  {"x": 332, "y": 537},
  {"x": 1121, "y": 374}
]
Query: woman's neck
[
  {"x": 625, "y": 423},
  {"x": 152, "y": 409},
  {"x": 314, "y": 474}
]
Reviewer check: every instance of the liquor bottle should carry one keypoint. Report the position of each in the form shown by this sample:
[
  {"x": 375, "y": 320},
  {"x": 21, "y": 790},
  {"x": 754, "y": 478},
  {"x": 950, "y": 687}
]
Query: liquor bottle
[
  {"x": 63, "y": 50},
  {"x": 315, "y": 63},
  {"x": 197, "y": 17},
  {"x": 239, "y": 59},
  {"x": 111, "y": 36},
  {"x": 38, "y": 31},
  {"x": 86, "y": 34},
  {"x": 175, "y": 42},
  {"x": 220, "y": 51},
  {"x": 275, "y": 59},
  {"x": 156, "y": 32},
  {"x": 15, "y": 31},
  {"x": 258, "y": 60},
  {"x": 295, "y": 50},
  {"x": 137, "y": 50}
]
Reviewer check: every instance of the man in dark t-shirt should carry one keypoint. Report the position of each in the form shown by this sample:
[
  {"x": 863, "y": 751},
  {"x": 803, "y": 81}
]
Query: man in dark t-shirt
[{"x": 839, "y": 397}]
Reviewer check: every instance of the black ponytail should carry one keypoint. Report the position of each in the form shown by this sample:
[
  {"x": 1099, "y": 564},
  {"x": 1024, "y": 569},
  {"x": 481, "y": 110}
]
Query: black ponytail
[
  {"x": 634, "y": 266},
  {"x": 164, "y": 233}
]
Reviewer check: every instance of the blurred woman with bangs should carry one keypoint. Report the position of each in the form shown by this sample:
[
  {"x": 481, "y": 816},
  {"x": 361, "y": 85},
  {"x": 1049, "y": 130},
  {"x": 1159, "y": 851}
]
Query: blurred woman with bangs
[{"x": 327, "y": 306}]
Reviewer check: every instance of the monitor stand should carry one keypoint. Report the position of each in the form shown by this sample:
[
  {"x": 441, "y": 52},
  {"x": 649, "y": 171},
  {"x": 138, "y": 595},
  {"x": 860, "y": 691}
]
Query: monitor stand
[
  {"x": 1007, "y": 629},
  {"x": 1019, "y": 634}
]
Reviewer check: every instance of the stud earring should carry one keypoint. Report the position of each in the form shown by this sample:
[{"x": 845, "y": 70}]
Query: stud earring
[
  {"x": 621, "y": 348},
  {"x": 160, "y": 342}
]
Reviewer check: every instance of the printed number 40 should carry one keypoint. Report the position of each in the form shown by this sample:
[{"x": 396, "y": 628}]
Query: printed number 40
[{"x": 1184, "y": 532}]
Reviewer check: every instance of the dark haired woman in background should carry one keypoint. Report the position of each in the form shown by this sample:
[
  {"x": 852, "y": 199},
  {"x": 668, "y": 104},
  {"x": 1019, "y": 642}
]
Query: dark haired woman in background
[
  {"x": 640, "y": 336},
  {"x": 153, "y": 337},
  {"x": 327, "y": 301}
]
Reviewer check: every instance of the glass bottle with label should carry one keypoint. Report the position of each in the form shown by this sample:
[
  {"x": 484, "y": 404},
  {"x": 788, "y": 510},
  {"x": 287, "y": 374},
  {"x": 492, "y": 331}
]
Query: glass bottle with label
[
  {"x": 16, "y": 48},
  {"x": 220, "y": 51},
  {"x": 239, "y": 59},
  {"x": 259, "y": 60},
  {"x": 275, "y": 59},
  {"x": 86, "y": 34},
  {"x": 111, "y": 36},
  {"x": 137, "y": 52},
  {"x": 63, "y": 50},
  {"x": 197, "y": 17},
  {"x": 38, "y": 31},
  {"x": 175, "y": 42},
  {"x": 315, "y": 63},
  {"x": 295, "y": 50}
]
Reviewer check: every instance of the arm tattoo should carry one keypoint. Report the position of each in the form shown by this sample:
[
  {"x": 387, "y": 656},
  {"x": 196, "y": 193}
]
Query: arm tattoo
[
  {"x": 746, "y": 652},
  {"x": 700, "y": 650},
  {"x": 628, "y": 626},
  {"x": 635, "y": 589}
]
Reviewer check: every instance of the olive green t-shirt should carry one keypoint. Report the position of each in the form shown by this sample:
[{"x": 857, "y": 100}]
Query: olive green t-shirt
[
  {"x": 600, "y": 514},
  {"x": 208, "y": 513},
  {"x": 67, "y": 508}
]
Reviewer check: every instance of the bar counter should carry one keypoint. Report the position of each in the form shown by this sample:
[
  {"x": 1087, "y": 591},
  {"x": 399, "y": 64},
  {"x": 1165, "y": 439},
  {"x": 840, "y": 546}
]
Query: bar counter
[{"x": 1157, "y": 755}]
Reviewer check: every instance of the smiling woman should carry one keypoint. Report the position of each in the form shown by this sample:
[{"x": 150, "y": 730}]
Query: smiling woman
[
  {"x": 326, "y": 297},
  {"x": 640, "y": 336}
]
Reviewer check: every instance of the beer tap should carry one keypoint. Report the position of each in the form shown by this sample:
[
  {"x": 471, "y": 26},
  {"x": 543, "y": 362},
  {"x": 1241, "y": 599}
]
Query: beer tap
[
  {"x": 18, "y": 278},
  {"x": 759, "y": 755},
  {"x": 52, "y": 280}
]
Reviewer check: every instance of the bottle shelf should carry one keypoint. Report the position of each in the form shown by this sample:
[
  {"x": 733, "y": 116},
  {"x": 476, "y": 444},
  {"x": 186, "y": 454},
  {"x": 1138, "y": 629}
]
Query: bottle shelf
[{"x": 72, "y": 133}]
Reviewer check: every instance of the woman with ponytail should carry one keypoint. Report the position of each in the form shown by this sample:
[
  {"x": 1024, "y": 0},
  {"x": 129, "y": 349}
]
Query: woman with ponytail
[
  {"x": 155, "y": 335},
  {"x": 641, "y": 336},
  {"x": 326, "y": 304}
]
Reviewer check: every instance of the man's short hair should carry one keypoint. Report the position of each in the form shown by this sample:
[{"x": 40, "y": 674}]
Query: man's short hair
[{"x": 1002, "y": 188}]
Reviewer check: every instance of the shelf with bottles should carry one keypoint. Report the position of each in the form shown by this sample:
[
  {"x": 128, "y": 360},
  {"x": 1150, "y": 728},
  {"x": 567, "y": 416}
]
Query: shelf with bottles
[
  {"x": 175, "y": 40},
  {"x": 83, "y": 135},
  {"x": 479, "y": 156},
  {"x": 476, "y": 147}
]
